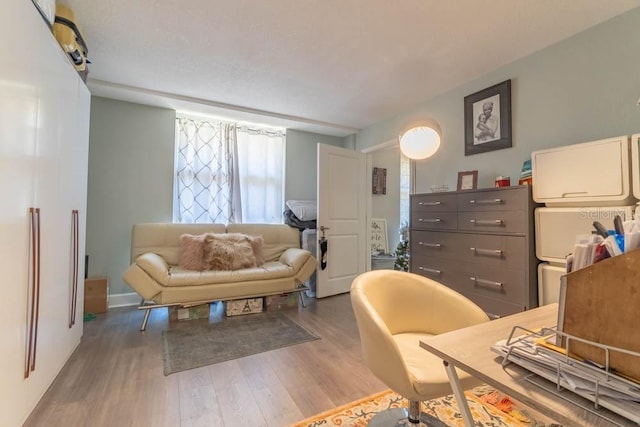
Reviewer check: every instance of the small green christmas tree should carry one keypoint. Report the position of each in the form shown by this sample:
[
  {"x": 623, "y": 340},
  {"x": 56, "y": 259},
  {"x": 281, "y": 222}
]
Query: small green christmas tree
[
  {"x": 402, "y": 256},
  {"x": 402, "y": 250}
]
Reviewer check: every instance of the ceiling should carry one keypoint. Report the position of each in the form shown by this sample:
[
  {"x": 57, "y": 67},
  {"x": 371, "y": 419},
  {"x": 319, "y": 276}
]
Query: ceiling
[{"x": 326, "y": 66}]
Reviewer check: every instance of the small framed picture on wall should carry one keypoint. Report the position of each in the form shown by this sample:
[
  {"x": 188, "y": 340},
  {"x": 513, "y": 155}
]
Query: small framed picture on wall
[{"x": 379, "y": 181}]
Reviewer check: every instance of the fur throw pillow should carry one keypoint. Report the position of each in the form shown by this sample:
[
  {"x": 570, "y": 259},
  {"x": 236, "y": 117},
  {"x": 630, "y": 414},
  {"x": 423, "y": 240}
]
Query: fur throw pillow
[
  {"x": 192, "y": 252},
  {"x": 232, "y": 251},
  {"x": 210, "y": 251}
]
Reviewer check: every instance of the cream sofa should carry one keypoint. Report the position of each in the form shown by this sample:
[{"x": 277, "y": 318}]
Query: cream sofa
[{"x": 155, "y": 275}]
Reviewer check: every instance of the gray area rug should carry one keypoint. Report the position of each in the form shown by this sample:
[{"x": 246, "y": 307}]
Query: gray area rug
[{"x": 193, "y": 344}]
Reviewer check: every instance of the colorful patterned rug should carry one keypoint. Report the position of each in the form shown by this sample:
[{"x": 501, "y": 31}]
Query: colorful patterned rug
[{"x": 489, "y": 408}]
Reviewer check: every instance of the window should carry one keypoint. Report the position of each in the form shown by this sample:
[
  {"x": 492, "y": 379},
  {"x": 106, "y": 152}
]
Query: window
[{"x": 226, "y": 172}]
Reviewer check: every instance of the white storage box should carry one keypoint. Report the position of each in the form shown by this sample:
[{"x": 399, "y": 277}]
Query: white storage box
[
  {"x": 189, "y": 313},
  {"x": 549, "y": 283},
  {"x": 592, "y": 173},
  {"x": 557, "y": 228}
]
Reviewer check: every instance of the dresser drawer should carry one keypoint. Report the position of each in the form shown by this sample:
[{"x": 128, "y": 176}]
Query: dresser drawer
[
  {"x": 502, "y": 199},
  {"x": 495, "y": 251},
  {"x": 445, "y": 271},
  {"x": 436, "y": 244},
  {"x": 493, "y": 222},
  {"x": 434, "y": 220},
  {"x": 495, "y": 307},
  {"x": 500, "y": 283},
  {"x": 434, "y": 202}
]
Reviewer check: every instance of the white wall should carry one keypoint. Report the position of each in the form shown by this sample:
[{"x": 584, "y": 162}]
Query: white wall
[
  {"x": 582, "y": 89},
  {"x": 130, "y": 180},
  {"x": 387, "y": 206},
  {"x": 301, "y": 163}
]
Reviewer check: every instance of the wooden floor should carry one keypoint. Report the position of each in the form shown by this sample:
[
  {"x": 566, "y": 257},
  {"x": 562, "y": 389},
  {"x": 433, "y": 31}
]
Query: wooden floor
[{"x": 115, "y": 377}]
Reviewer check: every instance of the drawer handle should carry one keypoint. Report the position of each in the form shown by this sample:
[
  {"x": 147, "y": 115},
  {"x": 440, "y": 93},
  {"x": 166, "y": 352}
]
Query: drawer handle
[
  {"x": 573, "y": 193},
  {"x": 485, "y": 202},
  {"x": 486, "y": 222},
  {"x": 429, "y": 270},
  {"x": 430, "y": 245},
  {"x": 429, "y": 220},
  {"x": 490, "y": 283},
  {"x": 429, "y": 203},
  {"x": 497, "y": 252}
]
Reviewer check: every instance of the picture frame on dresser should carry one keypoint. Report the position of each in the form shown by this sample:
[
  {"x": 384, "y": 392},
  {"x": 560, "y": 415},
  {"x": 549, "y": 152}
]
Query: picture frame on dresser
[
  {"x": 467, "y": 180},
  {"x": 487, "y": 119},
  {"x": 378, "y": 233}
]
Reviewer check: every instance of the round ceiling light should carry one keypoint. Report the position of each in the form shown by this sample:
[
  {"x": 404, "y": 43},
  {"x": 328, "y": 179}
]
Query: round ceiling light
[{"x": 419, "y": 142}]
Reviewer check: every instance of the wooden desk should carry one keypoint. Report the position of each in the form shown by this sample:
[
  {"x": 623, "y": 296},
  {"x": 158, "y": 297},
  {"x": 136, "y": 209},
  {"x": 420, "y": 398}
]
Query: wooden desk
[{"x": 469, "y": 349}]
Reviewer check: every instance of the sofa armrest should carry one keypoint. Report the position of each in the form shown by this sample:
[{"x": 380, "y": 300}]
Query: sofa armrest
[
  {"x": 295, "y": 258},
  {"x": 155, "y": 266}
]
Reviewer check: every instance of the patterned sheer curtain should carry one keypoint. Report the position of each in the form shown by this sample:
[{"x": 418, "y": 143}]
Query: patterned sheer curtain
[
  {"x": 228, "y": 173},
  {"x": 207, "y": 180}
]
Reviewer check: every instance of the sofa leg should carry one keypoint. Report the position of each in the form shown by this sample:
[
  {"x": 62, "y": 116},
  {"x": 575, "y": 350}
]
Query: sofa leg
[
  {"x": 302, "y": 299},
  {"x": 143, "y": 327}
]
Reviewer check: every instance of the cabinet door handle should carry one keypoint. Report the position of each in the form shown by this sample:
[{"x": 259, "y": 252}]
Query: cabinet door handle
[
  {"x": 35, "y": 333},
  {"x": 430, "y": 245},
  {"x": 429, "y": 270},
  {"x": 74, "y": 272},
  {"x": 489, "y": 283},
  {"x": 432, "y": 220},
  {"x": 32, "y": 333},
  {"x": 429, "y": 203},
  {"x": 497, "y": 252},
  {"x": 31, "y": 302},
  {"x": 486, "y": 221},
  {"x": 486, "y": 202}
]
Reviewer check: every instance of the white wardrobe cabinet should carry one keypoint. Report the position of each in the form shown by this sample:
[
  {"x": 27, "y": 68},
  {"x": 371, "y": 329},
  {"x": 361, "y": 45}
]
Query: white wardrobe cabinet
[
  {"x": 44, "y": 109},
  {"x": 591, "y": 173}
]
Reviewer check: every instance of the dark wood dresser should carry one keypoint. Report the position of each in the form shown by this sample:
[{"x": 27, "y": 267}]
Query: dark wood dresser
[{"x": 480, "y": 243}]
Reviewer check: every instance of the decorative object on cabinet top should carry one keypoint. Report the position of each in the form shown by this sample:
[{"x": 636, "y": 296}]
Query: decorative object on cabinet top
[
  {"x": 487, "y": 119},
  {"x": 467, "y": 180}
]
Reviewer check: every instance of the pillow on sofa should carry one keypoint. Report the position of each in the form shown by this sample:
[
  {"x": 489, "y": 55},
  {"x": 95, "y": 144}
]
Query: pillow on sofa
[
  {"x": 192, "y": 252},
  {"x": 232, "y": 251}
]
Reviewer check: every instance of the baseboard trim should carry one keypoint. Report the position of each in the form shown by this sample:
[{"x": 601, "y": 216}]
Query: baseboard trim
[{"x": 124, "y": 300}]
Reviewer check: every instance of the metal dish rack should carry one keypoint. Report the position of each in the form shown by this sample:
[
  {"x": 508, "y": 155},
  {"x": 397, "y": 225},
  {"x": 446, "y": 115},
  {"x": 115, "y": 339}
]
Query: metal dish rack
[{"x": 597, "y": 383}]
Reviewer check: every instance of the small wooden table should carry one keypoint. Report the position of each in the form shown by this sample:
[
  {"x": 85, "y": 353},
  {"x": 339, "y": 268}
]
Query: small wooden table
[{"x": 469, "y": 349}]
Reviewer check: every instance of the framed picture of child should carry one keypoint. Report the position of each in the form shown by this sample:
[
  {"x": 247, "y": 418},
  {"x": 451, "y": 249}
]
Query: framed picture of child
[{"x": 487, "y": 119}]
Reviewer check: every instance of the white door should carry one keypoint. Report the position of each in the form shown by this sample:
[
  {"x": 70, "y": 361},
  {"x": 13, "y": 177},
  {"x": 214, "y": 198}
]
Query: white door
[{"x": 341, "y": 201}]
